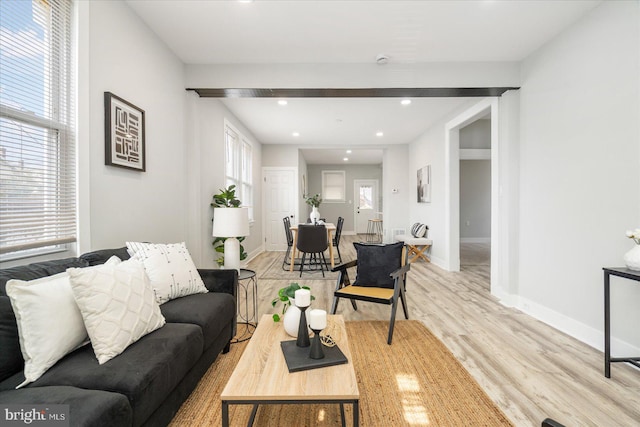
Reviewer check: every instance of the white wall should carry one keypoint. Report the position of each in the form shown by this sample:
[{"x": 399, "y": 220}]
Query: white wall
[
  {"x": 580, "y": 174},
  {"x": 119, "y": 54},
  {"x": 206, "y": 171},
  {"x": 475, "y": 200},
  {"x": 429, "y": 148},
  {"x": 395, "y": 176},
  {"x": 468, "y": 74}
]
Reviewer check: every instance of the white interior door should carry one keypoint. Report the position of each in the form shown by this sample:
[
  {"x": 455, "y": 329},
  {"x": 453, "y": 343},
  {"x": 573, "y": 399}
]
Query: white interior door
[
  {"x": 279, "y": 200},
  {"x": 365, "y": 195}
]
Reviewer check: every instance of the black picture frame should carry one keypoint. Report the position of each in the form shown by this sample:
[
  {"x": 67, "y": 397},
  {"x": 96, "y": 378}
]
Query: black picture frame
[{"x": 124, "y": 140}]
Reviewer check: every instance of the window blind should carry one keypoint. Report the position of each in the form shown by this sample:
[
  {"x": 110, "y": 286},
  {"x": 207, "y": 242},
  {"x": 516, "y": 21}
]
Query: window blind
[{"x": 37, "y": 141}]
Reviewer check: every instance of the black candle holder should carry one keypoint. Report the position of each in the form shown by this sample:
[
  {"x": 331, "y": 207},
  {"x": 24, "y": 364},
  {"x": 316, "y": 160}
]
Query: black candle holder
[
  {"x": 303, "y": 332},
  {"x": 316, "y": 346}
]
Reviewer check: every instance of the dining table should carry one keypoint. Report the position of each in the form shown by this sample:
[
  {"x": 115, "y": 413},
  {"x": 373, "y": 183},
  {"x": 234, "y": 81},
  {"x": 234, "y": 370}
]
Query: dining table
[{"x": 294, "y": 229}]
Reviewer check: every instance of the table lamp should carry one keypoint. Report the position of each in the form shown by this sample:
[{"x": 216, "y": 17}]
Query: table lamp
[{"x": 231, "y": 223}]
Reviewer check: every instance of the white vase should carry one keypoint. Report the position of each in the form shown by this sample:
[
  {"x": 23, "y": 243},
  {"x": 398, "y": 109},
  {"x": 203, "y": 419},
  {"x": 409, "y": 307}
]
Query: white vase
[
  {"x": 632, "y": 258},
  {"x": 291, "y": 319},
  {"x": 314, "y": 216}
]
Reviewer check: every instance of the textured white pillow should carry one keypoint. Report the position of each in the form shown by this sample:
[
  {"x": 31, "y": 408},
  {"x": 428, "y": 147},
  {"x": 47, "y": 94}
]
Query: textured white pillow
[
  {"x": 117, "y": 305},
  {"x": 170, "y": 268},
  {"x": 49, "y": 322}
]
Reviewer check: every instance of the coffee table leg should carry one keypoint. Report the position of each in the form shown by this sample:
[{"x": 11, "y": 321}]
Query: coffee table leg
[
  {"x": 342, "y": 414},
  {"x": 252, "y": 418},
  {"x": 356, "y": 414},
  {"x": 225, "y": 414}
]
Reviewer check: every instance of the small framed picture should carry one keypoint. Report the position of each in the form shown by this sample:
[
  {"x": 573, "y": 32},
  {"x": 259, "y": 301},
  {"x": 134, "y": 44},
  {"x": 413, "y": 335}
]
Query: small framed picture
[
  {"x": 424, "y": 184},
  {"x": 124, "y": 133}
]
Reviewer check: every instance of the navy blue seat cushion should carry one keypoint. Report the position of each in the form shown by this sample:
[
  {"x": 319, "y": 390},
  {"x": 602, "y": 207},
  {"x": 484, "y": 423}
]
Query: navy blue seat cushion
[
  {"x": 101, "y": 256},
  {"x": 93, "y": 408},
  {"x": 146, "y": 372},
  {"x": 11, "y": 360},
  {"x": 376, "y": 262},
  {"x": 38, "y": 270},
  {"x": 211, "y": 311}
]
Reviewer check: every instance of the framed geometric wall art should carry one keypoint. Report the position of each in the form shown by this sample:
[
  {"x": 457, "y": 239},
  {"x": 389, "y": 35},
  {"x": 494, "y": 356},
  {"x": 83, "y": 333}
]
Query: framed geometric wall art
[
  {"x": 424, "y": 184},
  {"x": 124, "y": 134}
]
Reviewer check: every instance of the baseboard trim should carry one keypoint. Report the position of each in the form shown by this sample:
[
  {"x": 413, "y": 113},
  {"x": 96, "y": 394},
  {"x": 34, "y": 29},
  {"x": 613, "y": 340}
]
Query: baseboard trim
[{"x": 578, "y": 330}]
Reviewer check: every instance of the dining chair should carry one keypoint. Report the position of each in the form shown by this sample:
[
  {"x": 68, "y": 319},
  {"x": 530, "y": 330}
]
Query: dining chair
[
  {"x": 380, "y": 278},
  {"x": 312, "y": 240},
  {"x": 336, "y": 238},
  {"x": 289, "y": 235}
]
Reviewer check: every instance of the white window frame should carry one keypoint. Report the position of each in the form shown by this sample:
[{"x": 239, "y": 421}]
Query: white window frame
[
  {"x": 327, "y": 190},
  {"x": 239, "y": 165},
  {"x": 57, "y": 227}
]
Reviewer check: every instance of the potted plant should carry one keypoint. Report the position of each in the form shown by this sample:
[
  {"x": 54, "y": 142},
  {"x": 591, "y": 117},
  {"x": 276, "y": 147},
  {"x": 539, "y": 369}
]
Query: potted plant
[
  {"x": 226, "y": 198},
  {"x": 314, "y": 202},
  {"x": 290, "y": 313}
]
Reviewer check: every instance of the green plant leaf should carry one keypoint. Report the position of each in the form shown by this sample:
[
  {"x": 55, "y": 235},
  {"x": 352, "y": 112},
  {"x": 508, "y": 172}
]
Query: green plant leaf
[{"x": 276, "y": 317}]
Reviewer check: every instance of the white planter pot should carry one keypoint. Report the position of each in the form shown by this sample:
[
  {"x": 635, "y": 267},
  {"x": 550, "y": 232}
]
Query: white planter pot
[
  {"x": 291, "y": 319},
  {"x": 632, "y": 258}
]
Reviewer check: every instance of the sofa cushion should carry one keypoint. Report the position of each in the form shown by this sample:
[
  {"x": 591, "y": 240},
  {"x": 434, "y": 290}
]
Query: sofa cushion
[
  {"x": 117, "y": 304},
  {"x": 170, "y": 268},
  {"x": 93, "y": 408},
  {"x": 49, "y": 322},
  {"x": 38, "y": 270},
  {"x": 101, "y": 256},
  {"x": 211, "y": 311},
  {"x": 146, "y": 372},
  {"x": 11, "y": 360}
]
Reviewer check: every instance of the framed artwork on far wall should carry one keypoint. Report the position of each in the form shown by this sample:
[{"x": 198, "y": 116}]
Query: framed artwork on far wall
[
  {"x": 124, "y": 134},
  {"x": 424, "y": 184}
]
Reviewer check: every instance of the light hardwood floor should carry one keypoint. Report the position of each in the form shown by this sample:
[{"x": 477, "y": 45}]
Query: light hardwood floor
[{"x": 529, "y": 369}]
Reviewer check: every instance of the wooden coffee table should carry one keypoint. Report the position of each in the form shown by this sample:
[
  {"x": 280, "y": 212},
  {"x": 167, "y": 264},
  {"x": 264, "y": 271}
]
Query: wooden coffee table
[{"x": 261, "y": 376}]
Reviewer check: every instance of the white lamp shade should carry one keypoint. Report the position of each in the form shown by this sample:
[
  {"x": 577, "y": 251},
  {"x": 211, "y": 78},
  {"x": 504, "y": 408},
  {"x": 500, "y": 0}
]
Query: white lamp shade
[{"x": 230, "y": 222}]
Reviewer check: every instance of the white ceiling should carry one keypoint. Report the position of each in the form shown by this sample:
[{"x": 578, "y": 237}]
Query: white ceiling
[{"x": 305, "y": 31}]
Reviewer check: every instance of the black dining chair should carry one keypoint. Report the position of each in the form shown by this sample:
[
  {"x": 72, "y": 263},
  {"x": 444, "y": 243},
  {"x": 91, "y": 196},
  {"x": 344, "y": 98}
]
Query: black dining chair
[
  {"x": 289, "y": 235},
  {"x": 312, "y": 241},
  {"x": 336, "y": 238}
]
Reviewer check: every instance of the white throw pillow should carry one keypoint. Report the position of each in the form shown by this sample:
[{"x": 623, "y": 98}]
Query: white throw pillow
[
  {"x": 117, "y": 305},
  {"x": 170, "y": 268},
  {"x": 49, "y": 322}
]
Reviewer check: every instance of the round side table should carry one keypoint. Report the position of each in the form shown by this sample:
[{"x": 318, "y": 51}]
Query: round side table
[{"x": 247, "y": 303}]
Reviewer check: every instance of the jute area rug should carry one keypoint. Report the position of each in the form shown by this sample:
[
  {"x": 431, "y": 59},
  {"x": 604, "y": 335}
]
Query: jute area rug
[{"x": 415, "y": 381}]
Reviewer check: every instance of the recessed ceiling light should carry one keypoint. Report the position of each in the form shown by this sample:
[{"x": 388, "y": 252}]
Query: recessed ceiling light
[
  {"x": 296, "y": 134},
  {"x": 245, "y": 1},
  {"x": 282, "y": 102},
  {"x": 405, "y": 102},
  {"x": 346, "y": 159},
  {"x": 379, "y": 133},
  {"x": 348, "y": 151}
]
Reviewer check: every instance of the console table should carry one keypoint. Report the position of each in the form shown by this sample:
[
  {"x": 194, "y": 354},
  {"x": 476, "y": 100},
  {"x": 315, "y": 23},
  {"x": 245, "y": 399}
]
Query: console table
[{"x": 608, "y": 360}]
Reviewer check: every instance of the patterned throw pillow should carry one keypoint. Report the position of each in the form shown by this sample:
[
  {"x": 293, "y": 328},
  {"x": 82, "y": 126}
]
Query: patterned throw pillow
[
  {"x": 170, "y": 268},
  {"x": 419, "y": 230},
  {"x": 117, "y": 304}
]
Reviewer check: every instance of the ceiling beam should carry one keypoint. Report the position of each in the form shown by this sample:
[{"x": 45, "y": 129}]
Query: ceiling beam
[{"x": 421, "y": 92}]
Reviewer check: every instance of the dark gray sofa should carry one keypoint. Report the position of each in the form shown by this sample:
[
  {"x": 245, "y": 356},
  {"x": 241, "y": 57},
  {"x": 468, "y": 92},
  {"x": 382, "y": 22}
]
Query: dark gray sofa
[{"x": 147, "y": 383}]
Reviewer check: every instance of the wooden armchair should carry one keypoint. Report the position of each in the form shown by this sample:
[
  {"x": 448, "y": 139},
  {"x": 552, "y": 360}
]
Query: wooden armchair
[{"x": 380, "y": 278}]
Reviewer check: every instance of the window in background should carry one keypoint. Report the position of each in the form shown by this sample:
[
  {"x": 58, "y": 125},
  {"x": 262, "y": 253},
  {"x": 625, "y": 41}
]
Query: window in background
[
  {"x": 37, "y": 141},
  {"x": 239, "y": 166},
  {"x": 333, "y": 183}
]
